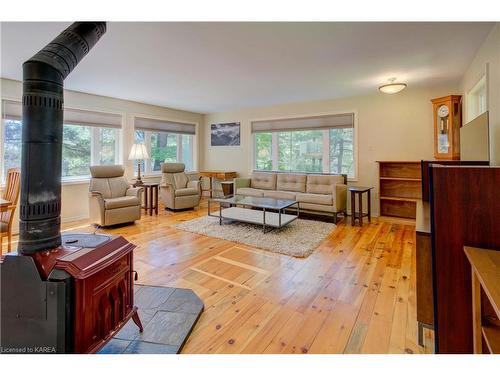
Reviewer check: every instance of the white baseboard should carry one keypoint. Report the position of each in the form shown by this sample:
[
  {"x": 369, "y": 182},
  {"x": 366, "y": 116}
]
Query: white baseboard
[{"x": 74, "y": 218}]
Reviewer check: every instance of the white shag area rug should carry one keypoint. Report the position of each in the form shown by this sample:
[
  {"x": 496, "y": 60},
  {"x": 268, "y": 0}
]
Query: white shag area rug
[{"x": 298, "y": 239}]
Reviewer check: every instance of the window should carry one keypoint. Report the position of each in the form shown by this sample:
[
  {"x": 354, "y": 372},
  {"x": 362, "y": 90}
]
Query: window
[
  {"x": 84, "y": 143},
  {"x": 476, "y": 100},
  {"x": 11, "y": 145},
  {"x": 166, "y": 141},
  {"x": 341, "y": 150},
  {"x": 263, "y": 151},
  {"x": 165, "y": 147},
  {"x": 288, "y": 145},
  {"x": 87, "y": 145}
]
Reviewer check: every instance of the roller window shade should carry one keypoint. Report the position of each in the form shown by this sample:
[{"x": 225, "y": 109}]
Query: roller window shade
[
  {"x": 90, "y": 118},
  {"x": 142, "y": 123},
  {"x": 305, "y": 123},
  {"x": 14, "y": 110}
]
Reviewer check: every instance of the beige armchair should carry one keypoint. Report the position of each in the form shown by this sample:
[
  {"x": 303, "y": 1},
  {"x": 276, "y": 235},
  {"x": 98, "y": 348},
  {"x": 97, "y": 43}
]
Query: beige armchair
[
  {"x": 178, "y": 190},
  {"x": 111, "y": 199}
]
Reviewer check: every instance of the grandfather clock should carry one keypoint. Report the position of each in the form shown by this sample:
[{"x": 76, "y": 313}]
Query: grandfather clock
[{"x": 447, "y": 122}]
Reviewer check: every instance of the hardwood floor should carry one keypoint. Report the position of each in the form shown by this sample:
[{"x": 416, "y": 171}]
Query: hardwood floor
[{"x": 354, "y": 294}]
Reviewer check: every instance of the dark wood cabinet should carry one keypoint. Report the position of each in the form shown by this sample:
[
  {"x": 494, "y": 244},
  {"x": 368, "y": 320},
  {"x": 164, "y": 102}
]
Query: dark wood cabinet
[
  {"x": 464, "y": 211},
  {"x": 425, "y": 304}
]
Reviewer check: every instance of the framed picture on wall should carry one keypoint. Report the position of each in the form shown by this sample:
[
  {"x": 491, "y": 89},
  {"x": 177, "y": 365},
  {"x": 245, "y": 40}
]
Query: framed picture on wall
[{"x": 227, "y": 134}]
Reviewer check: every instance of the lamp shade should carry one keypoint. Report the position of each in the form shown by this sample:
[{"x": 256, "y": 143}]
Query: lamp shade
[
  {"x": 138, "y": 152},
  {"x": 393, "y": 87}
]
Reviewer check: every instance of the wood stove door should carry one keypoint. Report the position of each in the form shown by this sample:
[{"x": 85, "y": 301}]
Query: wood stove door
[{"x": 103, "y": 303}]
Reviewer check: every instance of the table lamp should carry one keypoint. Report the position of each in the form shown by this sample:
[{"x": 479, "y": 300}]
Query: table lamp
[{"x": 138, "y": 152}]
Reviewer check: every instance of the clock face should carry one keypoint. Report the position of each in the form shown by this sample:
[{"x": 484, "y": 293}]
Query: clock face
[{"x": 443, "y": 111}]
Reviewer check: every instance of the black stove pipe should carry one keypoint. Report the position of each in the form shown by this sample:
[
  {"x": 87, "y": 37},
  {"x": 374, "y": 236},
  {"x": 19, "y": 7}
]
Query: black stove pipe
[{"x": 43, "y": 103}]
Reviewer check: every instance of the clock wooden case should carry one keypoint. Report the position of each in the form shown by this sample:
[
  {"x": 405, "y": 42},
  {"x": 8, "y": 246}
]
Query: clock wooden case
[{"x": 447, "y": 122}]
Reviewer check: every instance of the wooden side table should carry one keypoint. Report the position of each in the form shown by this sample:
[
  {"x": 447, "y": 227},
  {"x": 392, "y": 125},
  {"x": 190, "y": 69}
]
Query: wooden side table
[
  {"x": 219, "y": 175},
  {"x": 150, "y": 197},
  {"x": 359, "y": 190},
  {"x": 485, "y": 270},
  {"x": 227, "y": 188}
]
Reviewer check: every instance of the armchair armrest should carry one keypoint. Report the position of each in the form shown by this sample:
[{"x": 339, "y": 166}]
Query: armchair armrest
[
  {"x": 95, "y": 194},
  {"x": 134, "y": 191},
  {"x": 96, "y": 207},
  {"x": 193, "y": 176},
  {"x": 240, "y": 182},
  {"x": 340, "y": 197},
  {"x": 194, "y": 184}
]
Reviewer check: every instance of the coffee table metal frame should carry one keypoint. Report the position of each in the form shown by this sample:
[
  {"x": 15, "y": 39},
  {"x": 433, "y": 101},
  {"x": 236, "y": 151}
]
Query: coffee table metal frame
[{"x": 233, "y": 201}]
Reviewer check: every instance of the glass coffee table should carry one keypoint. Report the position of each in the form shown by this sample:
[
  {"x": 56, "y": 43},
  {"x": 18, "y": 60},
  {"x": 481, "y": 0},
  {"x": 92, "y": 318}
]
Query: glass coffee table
[{"x": 270, "y": 214}]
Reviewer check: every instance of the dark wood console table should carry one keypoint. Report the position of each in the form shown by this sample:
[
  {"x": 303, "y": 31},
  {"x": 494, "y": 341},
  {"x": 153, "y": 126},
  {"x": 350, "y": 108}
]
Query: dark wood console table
[{"x": 219, "y": 175}]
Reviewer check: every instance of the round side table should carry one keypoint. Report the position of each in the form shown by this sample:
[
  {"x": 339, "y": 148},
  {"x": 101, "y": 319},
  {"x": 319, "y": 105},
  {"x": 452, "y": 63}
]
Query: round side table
[{"x": 359, "y": 190}]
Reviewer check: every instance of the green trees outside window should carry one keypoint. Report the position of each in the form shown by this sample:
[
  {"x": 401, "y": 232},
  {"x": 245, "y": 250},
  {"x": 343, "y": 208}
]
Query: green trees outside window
[{"x": 310, "y": 151}]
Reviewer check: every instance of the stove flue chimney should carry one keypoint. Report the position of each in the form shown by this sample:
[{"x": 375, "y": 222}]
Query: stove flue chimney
[{"x": 43, "y": 102}]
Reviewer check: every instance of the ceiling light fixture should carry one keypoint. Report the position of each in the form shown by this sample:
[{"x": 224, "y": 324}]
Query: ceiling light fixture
[{"x": 392, "y": 87}]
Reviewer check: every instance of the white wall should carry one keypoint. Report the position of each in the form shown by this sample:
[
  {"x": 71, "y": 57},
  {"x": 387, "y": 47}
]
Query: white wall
[
  {"x": 487, "y": 61},
  {"x": 390, "y": 127},
  {"x": 75, "y": 195}
]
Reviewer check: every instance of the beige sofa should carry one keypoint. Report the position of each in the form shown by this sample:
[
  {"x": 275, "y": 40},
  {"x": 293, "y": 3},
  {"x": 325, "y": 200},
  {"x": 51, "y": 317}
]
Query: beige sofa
[
  {"x": 111, "y": 199},
  {"x": 179, "y": 190},
  {"x": 325, "y": 194}
]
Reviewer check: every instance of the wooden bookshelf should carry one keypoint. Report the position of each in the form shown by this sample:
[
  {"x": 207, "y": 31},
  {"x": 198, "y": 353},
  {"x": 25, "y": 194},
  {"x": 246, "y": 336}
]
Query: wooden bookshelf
[{"x": 400, "y": 186}]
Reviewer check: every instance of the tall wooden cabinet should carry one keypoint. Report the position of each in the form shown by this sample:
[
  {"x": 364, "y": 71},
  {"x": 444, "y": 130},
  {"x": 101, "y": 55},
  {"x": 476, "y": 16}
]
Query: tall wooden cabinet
[{"x": 400, "y": 185}]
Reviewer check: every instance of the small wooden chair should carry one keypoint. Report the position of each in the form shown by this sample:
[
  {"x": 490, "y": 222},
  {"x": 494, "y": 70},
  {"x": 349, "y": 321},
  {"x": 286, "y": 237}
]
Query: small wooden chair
[{"x": 11, "y": 194}]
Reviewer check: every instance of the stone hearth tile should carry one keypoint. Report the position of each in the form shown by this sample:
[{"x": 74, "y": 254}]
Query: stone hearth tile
[
  {"x": 114, "y": 346},
  {"x": 151, "y": 297},
  {"x": 141, "y": 347},
  {"x": 182, "y": 300},
  {"x": 170, "y": 328},
  {"x": 130, "y": 331}
]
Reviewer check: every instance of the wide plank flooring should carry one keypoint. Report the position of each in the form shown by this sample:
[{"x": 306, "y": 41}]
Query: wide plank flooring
[{"x": 354, "y": 294}]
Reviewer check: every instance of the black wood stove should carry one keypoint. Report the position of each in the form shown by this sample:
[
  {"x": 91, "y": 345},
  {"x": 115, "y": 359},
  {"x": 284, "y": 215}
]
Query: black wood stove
[{"x": 70, "y": 293}]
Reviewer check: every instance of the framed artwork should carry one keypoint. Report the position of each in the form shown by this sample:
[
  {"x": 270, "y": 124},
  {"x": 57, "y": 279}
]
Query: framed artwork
[{"x": 227, "y": 134}]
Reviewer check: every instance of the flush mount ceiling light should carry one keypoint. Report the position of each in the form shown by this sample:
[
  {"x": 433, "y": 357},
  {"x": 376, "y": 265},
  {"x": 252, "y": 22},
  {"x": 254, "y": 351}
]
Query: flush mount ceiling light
[{"x": 392, "y": 87}]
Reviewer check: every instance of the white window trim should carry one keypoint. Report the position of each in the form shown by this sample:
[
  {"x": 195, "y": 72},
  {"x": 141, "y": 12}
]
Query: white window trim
[
  {"x": 194, "y": 145},
  {"x": 355, "y": 153},
  {"x": 74, "y": 179},
  {"x": 472, "y": 106},
  {"x": 179, "y": 152}
]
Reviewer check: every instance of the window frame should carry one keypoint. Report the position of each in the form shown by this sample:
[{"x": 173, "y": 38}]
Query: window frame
[
  {"x": 179, "y": 151},
  {"x": 94, "y": 145},
  {"x": 326, "y": 152},
  {"x": 147, "y": 141},
  {"x": 475, "y": 106}
]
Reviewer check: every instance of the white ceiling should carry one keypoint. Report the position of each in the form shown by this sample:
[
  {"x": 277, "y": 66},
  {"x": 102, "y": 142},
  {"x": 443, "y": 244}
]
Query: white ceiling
[{"x": 212, "y": 67}]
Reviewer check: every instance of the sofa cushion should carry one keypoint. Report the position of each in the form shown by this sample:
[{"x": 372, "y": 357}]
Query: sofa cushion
[
  {"x": 291, "y": 182},
  {"x": 262, "y": 180},
  {"x": 278, "y": 194},
  {"x": 251, "y": 192},
  {"x": 326, "y": 199},
  {"x": 313, "y": 207},
  {"x": 120, "y": 202},
  {"x": 323, "y": 184},
  {"x": 186, "y": 191}
]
